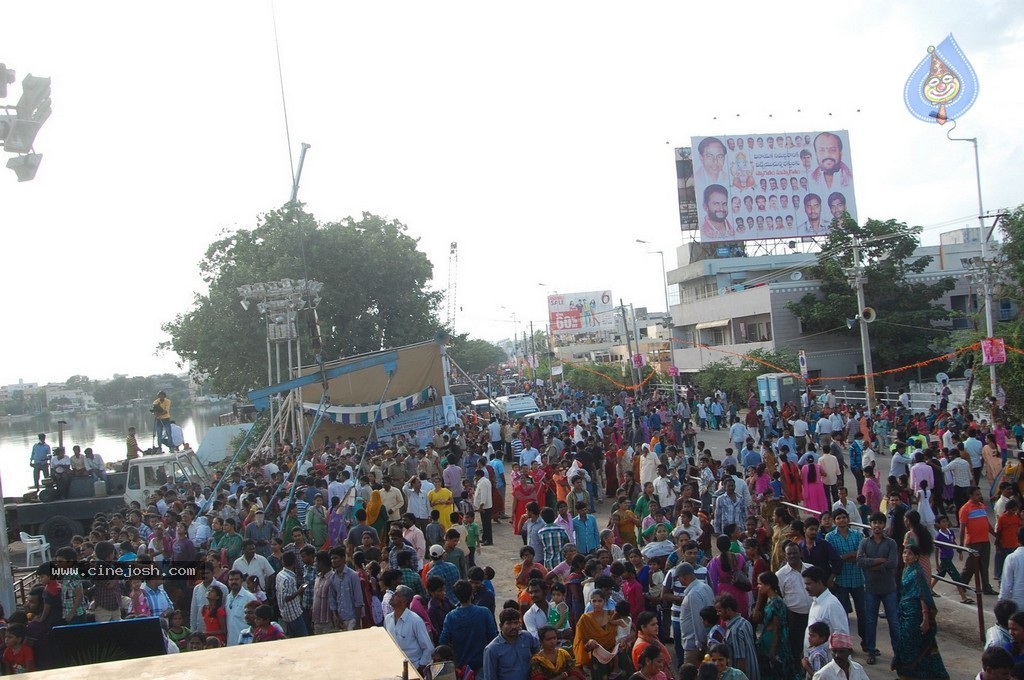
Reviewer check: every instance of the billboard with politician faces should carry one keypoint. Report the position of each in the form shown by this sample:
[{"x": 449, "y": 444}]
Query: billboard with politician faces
[
  {"x": 766, "y": 186},
  {"x": 578, "y": 313}
]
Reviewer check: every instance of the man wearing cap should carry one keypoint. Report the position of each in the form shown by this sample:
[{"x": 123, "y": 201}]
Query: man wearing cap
[
  {"x": 841, "y": 667},
  {"x": 445, "y": 570}
]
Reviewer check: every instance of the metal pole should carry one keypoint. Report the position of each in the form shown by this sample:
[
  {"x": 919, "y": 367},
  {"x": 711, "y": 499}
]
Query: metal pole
[
  {"x": 291, "y": 375},
  {"x": 664, "y": 283},
  {"x": 629, "y": 346},
  {"x": 533, "y": 350},
  {"x": 989, "y": 324},
  {"x": 6, "y": 574},
  {"x": 298, "y": 173},
  {"x": 270, "y": 381},
  {"x": 865, "y": 340}
]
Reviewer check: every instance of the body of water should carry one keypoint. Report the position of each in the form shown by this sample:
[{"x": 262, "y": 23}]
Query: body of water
[{"x": 104, "y": 431}]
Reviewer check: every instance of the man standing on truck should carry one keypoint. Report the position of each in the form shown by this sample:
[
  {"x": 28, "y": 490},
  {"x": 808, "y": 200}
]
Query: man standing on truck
[
  {"x": 133, "y": 444},
  {"x": 161, "y": 411},
  {"x": 40, "y": 459}
]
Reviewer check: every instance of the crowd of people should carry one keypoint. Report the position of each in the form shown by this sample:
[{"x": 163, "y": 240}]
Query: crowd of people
[{"x": 739, "y": 563}]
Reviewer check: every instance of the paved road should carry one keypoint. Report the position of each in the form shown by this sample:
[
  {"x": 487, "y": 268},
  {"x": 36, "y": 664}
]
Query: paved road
[{"x": 958, "y": 635}]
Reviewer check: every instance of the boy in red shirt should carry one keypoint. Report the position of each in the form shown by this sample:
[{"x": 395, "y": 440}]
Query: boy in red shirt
[
  {"x": 18, "y": 656},
  {"x": 1006, "y": 533}
]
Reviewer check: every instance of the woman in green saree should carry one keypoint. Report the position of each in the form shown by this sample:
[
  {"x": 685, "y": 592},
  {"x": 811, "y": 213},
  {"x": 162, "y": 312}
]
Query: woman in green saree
[{"x": 917, "y": 654}]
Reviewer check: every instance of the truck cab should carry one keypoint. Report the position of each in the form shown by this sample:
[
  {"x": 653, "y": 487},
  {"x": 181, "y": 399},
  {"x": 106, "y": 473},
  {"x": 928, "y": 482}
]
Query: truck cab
[
  {"x": 149, "y": 473},
  {"x": 61, "y": 519}
]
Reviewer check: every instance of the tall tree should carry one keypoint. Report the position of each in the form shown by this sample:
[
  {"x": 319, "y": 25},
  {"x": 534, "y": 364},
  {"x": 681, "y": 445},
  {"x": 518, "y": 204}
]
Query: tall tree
[
  {"x": 475, "y": 356},
  {"x": 374, "y": 296},
  {"x": 905, "y": 306}
]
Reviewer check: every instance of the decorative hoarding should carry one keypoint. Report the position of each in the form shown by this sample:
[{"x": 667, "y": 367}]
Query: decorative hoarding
[
  {"x": 577, "y": 313},
  {"x": 943, "y": 86},
  {"x": 993, "y": 351},
  {"x": 768, "y": 186},
  {"x": 687, "y": 198}
]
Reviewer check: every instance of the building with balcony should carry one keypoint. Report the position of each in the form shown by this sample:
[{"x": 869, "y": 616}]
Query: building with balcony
[{"x": 729, "y": 304}]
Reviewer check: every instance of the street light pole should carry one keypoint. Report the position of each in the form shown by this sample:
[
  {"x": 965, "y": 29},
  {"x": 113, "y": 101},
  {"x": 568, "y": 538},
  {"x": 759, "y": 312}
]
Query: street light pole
[
  {"x": 857, "y": 279},
  {"x": 986, "y": 279},
  {"x": 664, "y": 273}
]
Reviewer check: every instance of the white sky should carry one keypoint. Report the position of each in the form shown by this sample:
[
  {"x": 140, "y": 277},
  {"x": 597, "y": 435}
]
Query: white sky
[{"x": 538, "y": 136}]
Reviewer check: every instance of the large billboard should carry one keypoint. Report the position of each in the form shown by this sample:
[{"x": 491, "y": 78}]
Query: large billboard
[
  {"x": 765, "y": 186},
  {"x": 576, "y": 313}
]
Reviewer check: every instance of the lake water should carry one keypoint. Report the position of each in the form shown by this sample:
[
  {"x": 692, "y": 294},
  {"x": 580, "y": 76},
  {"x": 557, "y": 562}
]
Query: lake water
[{"x": 104, "y": 431}]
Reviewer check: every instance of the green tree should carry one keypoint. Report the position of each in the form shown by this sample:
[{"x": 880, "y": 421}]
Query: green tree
[
  {"x": 1007, "y": 269},
  {"x": 374, "y": 295},
  {"x": 596, "y": 377},
  {"x": 475, "y": 356},
  {"x": 1010, "y": 262},
  {"x": 904, "y": 306},
  {"x": 738, "y": 379}
]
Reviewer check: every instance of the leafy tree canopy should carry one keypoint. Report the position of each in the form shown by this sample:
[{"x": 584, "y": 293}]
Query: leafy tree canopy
[
  {"x": 906, "y": 308},
  {"x": 475, "y": 356},
  {"x": 599, "y": 378},
  {"x": 737, "y": 380},
  {"x": 374, "y": 295}
]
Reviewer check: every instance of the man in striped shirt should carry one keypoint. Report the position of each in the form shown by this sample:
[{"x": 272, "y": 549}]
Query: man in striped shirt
[
  {"x": 739, "y": 636},
  {"x": 552, "y": 539},
  {"x": 289, "y": 597}
]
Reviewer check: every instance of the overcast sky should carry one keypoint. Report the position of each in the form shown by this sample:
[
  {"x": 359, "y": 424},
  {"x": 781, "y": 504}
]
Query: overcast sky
[{"x": 538, "y": 136}]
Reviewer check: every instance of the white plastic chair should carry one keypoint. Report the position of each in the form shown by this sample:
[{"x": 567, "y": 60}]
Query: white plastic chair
[{"x": 35, "y": 545}]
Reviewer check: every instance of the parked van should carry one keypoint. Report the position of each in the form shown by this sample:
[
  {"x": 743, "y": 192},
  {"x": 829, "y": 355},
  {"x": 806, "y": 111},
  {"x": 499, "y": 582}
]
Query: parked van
[
  {"x": 557, "y": 417},
  {"x": 516, "y": 405}
]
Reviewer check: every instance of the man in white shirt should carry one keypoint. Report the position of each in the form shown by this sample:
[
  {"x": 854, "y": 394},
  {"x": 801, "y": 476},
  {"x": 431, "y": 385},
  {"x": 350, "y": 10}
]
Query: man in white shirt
[
  {"x": 94, "y": 465},
  {"x": 234, "y": 606},
  {"x": 253, "y": 564},
  {"x": 829, "y": 470},
  {"x": 196, "y": 622},
  {"x": 484, "y": 505},
  {"x": 825, "y": 607},
  {"x": 840, "y": 667},
  {"x": 407, "y": 629},
  {"x": 800, "y": 428},
  {"x": 413, "y": 535},
  {"x": 823, "y": 429},
  {"x": 417, "y": 502},
  {"x": 529, "y": 455},
  {"x": 1011, "y": 585},
  {"x": 795, "y": 596}
]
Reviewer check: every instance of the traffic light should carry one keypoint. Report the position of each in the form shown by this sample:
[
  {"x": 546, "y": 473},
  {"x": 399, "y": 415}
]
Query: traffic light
[
  {"x": 6, "y": 78},
  {"x": 25, "y": 166}
]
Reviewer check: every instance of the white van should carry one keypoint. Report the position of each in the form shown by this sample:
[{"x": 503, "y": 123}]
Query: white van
[
  {"x": 516, "y": 405},
  {"x": 557, "y": 417}
]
